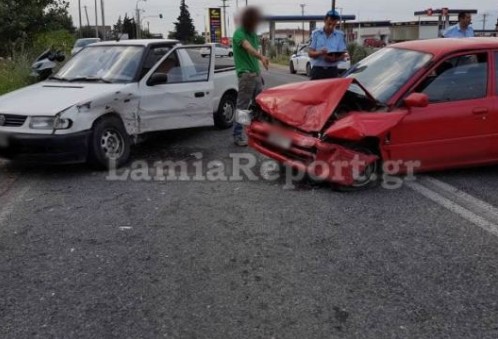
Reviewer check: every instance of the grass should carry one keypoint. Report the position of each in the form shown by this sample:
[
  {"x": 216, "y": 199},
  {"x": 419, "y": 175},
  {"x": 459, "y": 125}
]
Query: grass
[
  {"x": 281, "y": 60},
  {"x": 15, "y": 74}
]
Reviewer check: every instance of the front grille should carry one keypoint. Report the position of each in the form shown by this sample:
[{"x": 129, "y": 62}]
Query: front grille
[{"x": 13, "y": 120}]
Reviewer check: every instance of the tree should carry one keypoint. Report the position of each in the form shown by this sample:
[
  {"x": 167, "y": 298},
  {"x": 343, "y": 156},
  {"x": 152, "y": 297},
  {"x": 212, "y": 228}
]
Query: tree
[
  {"x": 129, "y": 27},
  {"x": 184, "y": 27},
  {"x": 22, "y": 20}
]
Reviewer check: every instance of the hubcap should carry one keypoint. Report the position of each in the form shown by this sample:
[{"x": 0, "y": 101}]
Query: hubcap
[
  {"x": 228, "y": 111},
  {"x": 112, "y": 144}
]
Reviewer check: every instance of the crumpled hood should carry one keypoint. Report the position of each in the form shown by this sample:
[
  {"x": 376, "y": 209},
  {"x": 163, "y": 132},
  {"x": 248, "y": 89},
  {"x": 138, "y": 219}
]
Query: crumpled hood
[
  {"x": 305, "y": 105},
  {"x": 51, "y": 97}
]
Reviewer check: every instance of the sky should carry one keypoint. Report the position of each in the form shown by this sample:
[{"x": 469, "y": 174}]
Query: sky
[{"x": 394, "y": 10}]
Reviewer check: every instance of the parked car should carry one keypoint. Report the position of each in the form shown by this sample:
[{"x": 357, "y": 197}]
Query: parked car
[
  {"x": 111, "y": 93},
  {"x": 220, "y": 51},
  {"x": 430, "y": 101},
  {"x": 82, "y": 43},
  {"x": 300, "y": 62},
  {"x": 374, "y": 43}
]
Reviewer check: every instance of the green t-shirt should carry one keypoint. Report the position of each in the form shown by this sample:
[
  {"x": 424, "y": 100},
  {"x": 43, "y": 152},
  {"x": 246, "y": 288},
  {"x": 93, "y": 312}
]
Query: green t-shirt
[{"x": 244, "y": 62}]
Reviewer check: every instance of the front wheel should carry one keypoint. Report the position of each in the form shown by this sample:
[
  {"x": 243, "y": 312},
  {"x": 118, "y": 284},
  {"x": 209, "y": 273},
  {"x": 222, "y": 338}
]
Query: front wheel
[
  {"x": 109, "y": 144},
  {"x": 308, "y": 70},
  {"x": 291, "y": 68},
  {"x": 371, "y": 176},
  {"x": 230, "y": 54},
  {"x": 225, "y": 116}
]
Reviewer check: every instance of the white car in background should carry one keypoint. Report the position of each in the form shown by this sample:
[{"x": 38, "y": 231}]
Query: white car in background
[
  {"x": 300, "y": 62},
  {"x": 220, "y": 51},
  {"x": 82, "y": 43}
]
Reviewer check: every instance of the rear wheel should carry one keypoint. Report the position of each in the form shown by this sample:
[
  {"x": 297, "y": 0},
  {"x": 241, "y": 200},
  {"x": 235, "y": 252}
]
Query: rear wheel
[
  {"x": 225, "y": 115},
  {"x": 109, "y": 144},
  {"x": 291, "y": 67},
  {"x": 230, "y": 54},
  {"x": 308, "y": 70}
]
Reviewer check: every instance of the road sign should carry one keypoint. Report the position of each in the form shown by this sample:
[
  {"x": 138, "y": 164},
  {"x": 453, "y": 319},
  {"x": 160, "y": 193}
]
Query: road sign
[{"x": 215, "y": 24}]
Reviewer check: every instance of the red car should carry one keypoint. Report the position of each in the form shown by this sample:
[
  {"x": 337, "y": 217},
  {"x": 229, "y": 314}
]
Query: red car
[
  {"x": 375, "y": 43},
  {"x": 433, "y": 103}
]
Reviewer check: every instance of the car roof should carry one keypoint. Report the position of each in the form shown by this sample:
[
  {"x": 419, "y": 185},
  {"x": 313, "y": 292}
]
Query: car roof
[
  {"x": 143, "y": 42},
  {"x": 439, "y": 47}
]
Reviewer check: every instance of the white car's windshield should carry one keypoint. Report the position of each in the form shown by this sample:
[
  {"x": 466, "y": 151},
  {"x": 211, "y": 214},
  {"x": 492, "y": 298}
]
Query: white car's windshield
[
  {"x": 104, "y": 63},
  {"x": 386, "y": 71},
  {"x": 85, "y": 42}
]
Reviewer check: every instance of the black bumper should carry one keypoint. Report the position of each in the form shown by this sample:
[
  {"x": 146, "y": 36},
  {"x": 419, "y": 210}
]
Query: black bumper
[{"x": 72, "y": 148}]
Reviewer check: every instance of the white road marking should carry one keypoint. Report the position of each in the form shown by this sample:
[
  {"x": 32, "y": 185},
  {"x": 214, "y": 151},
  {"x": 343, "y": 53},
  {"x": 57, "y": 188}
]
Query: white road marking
[{"x": 468, "y": 207}]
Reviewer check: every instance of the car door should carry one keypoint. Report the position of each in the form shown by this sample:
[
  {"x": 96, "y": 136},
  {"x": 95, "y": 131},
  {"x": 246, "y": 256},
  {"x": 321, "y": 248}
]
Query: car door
[
  {"x": 178, "y": 92},
  {"x": 453, "y": 129},
  {"x": 493, "y": 115}
]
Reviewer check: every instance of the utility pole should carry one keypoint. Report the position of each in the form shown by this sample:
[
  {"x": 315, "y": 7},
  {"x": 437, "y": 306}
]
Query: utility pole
[
  {"x": 302, "y": 13},
  {"x": 224, "y": 6},
  {"x": 96, "y": 20},
  {"x": 484, "y": 16},
  {"x": 79, "y": 14},
  {"x": 103, "y": 19},
  {"x": 333, "y": 5},
  {"x": 87, "y": 18}
]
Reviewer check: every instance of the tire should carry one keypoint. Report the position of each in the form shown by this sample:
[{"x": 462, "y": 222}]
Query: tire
[
  {"x": 203, "y": 55},
  {"x": 291, "y": 68},
  {"x": 230, "y": 54},
  {"x": 225, "y": 116},
  {"x": 308, "y": 70},
  {"x": 373, "y": 173},
  {"x": 109, "y": 141}
]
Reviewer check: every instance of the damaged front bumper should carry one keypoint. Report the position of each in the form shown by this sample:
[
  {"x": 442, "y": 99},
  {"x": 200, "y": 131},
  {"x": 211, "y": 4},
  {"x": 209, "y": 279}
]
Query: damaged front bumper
[{"x": 320, "y": 159}]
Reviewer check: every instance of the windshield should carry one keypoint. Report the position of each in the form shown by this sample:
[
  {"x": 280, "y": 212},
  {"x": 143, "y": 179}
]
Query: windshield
[
  {"x": 86, "y": 42},
  {"x": 106, "y": 63},
  {"x": 386, "y": 71}
]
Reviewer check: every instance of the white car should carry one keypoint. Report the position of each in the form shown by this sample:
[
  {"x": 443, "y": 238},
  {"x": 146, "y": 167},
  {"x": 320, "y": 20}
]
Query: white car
[
  {"x": 111, "y": 93},
  {"x": 82, "y": 43},
  {"x": 220, "y": 51},
  {"x": 301, "y": 62}
]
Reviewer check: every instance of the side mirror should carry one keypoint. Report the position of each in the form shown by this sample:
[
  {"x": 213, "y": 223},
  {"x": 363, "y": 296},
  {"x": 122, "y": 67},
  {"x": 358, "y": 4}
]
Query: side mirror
[
  {"x": 157, "y": 79},
  {"x": 416, "y": 100},
  {"x": 60, "y": 57}
]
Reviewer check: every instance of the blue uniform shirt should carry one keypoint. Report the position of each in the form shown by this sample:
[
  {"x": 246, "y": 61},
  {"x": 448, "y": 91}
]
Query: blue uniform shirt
[
  {"x": 457, "y": 32},
  {"x": 335, "y": 42}
]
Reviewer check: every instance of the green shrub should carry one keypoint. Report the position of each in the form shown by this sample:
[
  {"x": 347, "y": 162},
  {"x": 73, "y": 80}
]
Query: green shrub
[
  {"x": 15, "y": 74},
  {"x": 358, "y": 52},
  {"x": 60, "y": 40}
]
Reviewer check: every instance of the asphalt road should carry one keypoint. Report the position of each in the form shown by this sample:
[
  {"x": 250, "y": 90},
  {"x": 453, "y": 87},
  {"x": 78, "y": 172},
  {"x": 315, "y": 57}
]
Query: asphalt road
[{"x": 85, "y": 257}]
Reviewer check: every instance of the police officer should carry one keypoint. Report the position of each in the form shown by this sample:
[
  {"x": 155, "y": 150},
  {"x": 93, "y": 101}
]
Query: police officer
[
  {"x": 327, "y": 49},
  {"x": 462, "y": 29}
]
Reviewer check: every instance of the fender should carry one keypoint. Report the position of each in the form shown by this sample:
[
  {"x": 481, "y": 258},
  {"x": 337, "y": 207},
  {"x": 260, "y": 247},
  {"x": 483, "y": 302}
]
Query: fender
[{"x": 359, "y": 125}]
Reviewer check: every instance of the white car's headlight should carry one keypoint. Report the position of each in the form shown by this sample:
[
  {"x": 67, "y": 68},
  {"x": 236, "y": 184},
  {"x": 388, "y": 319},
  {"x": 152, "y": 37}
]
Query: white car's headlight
[
  {"x": 243, "y": 117},
  {"x": 49, "y": 123}
]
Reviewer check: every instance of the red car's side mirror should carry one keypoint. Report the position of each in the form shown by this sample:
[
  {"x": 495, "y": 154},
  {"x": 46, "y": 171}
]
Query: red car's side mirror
[{"x": 417, "y": 100}]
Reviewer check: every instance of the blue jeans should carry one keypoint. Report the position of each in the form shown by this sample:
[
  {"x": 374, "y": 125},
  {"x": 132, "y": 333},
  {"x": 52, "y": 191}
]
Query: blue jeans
[{"x": 250, "y": 85}]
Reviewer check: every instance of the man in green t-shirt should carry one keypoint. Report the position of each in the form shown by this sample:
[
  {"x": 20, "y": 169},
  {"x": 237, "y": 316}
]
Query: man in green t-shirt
[{"x": 247, "y": 58}]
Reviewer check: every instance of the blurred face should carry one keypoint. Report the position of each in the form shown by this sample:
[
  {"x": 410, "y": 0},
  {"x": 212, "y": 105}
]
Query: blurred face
[
  {"x": 330, "y": 24},
  {"x": 465, "y": 22},
  {"x": 251, "y": 19}
]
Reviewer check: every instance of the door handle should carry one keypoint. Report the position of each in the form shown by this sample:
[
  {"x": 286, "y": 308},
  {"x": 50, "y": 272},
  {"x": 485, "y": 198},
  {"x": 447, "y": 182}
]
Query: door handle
[
  {"x": 480, "y": 110},
  {"x": 200, "y": 94}
]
